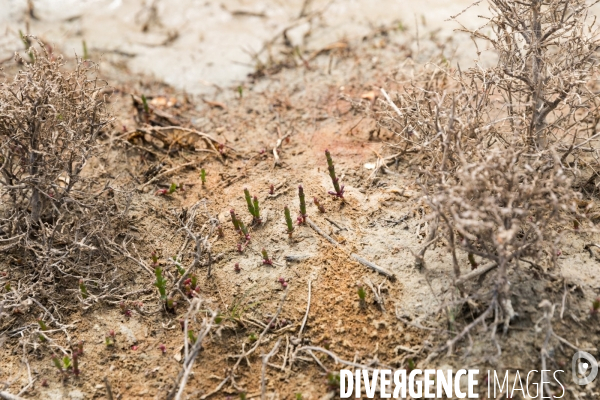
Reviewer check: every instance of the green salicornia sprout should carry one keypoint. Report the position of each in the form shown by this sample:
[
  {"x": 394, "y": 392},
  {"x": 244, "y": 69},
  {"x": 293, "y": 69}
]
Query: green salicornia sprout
[
  {"x": 339, "y": 191},
  {"x": 288, "y": 221},
  {"x": 303, "y": 215}
]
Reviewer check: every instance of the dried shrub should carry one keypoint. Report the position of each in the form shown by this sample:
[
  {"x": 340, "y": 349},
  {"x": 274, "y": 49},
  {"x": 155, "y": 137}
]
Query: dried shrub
[
  {"x": 546, "y": 59},
  {"x": 499, "y": 151},
  {"x": 50, "y": 122}
]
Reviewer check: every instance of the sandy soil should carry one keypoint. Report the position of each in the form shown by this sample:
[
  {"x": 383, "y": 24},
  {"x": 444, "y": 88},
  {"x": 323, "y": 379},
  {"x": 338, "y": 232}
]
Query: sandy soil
[
  {"x": 382, "y": 219},
  {"x": 200, "y": 45}
]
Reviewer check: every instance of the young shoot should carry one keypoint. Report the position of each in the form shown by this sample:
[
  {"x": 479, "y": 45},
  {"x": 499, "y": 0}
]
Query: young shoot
[
  {"x": 362, "y": 295},
  {"x": 288, "y": 221},
  {"x": 161, "y": 283},
  {"x": 249, "y": 201},
  {"x": 303, "y": 215},
  {"x": 83, "y": 289},
  {"x": 339, "y": 190},
  {"x": 235, "y": 221},
  {"x": 266, "y": 259}
]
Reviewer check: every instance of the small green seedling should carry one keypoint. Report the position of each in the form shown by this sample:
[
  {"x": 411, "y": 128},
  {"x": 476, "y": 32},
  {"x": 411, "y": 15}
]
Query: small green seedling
[
  {"x": 298, "y": 396},
  {"x": 256, "y": 208},
  {"x": 266, "y": 259},
  {"x": 180, "y": 269},
  {"x": 411, "y": 364},
  {"x": 66, "y": 365},
  {"x": 303, "y": 215},
  {"x": 244, "y": 230},
  {"x": 240, "y": 90},
  {"x": 190, "y": 286},
  {"x": 86, "y": 55},
  {"x": 235, "y": 221},
  {"x": 242, "y": 396},
  {"x": 319, "y": 205},
  {"x": 333, "y": 381},
  {"x": 161, "y": 283},
  {"x": 203, "y": 176},
  {"x": 57, "y": 363},
  {"x": 339, "y": 190},
  {"x": 145, "y": 104},
  {"x": 110, "y": 339},
  {"x": 253, "y": 206},
  {"x": 170, "y": 303},
  {"x": 7, "y": 287},
  {"x": 191, "y": 337},
  {"x": 249, "y": 201},
  {"x": 172, "y": 189},
  {"x": 288, "y": 221},
  {"x": 43, "y": 327},
  {"x": 83, "y": 289},
  {"x": 362, "y": 295},
  {"x": 253, "y": 337}
]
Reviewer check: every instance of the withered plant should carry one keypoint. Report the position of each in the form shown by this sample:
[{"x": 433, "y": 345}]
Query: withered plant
[
  {"x": 500, "y": 151},
  {"x": 50, "y": 121}
]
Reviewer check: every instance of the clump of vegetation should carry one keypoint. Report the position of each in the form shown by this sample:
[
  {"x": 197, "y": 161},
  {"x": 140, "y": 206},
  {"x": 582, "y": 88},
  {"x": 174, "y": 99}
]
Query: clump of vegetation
[
  {"x": 505, "y": 165},
  {"x": 339, "y": 190},
  {"x": 190, "y": 286},
  {"x": 66, "y": 365},
  {"x": 253, "y": 206}
]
